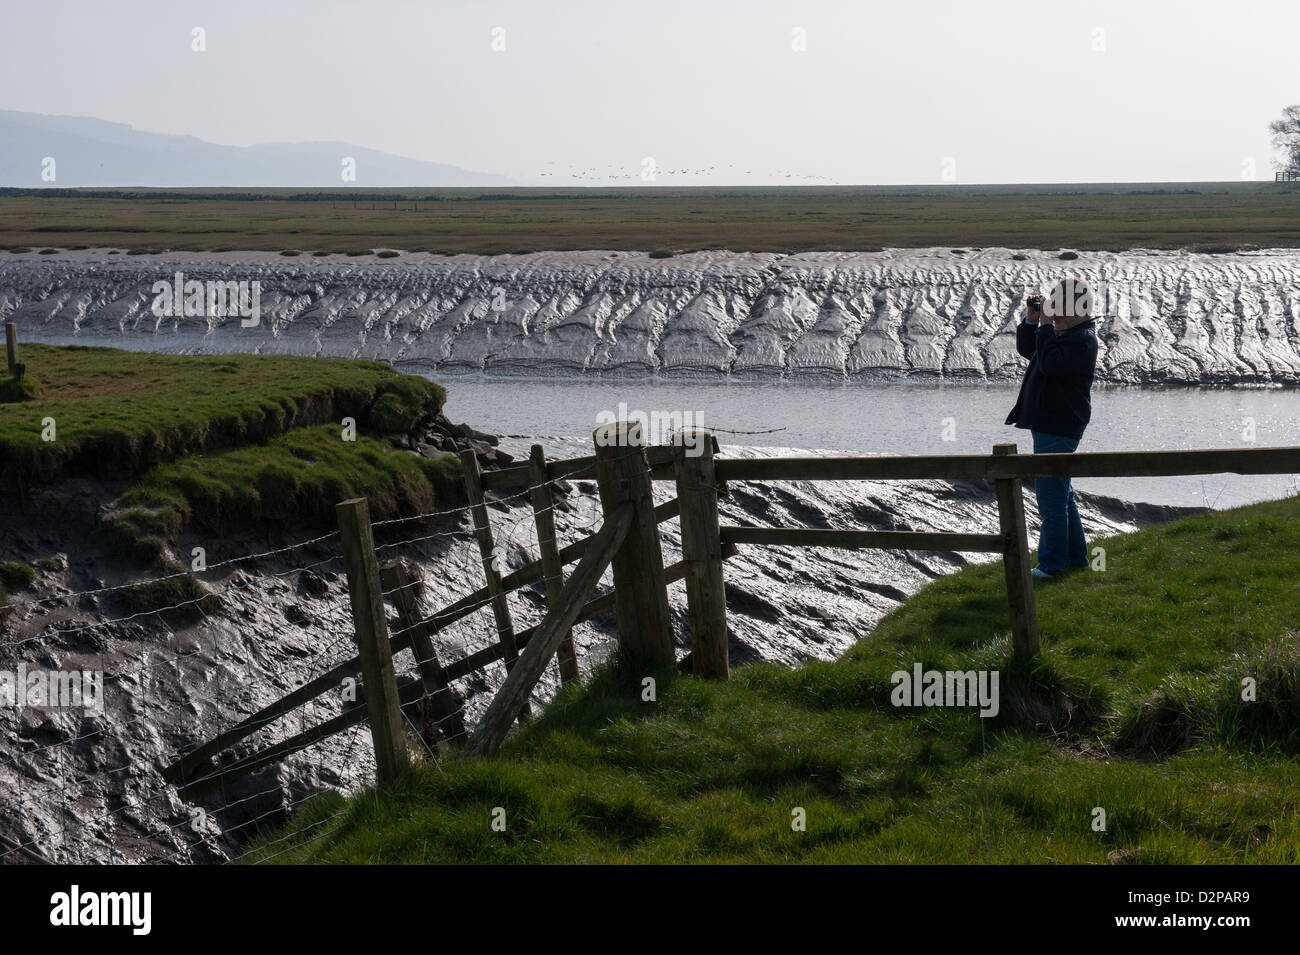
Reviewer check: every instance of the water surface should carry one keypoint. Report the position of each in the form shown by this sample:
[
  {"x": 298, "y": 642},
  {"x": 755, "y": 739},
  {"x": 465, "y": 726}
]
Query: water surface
[{"x": 909, "y": 418}]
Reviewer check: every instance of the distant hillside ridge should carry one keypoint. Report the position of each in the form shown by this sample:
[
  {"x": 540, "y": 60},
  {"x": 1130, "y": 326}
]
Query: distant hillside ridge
[{"x": 80, "y": 151}]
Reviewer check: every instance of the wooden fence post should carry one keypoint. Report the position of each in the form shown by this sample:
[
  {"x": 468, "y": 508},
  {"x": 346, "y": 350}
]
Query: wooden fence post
[
  {"x": 397, "y": 580},
  {"x": 640, "y": 591},
  {"x": 702, "y": 553},
  {"x": 11, "y": 347},
  {"x": 1015, "y": 552},
  {"x": 372, "y": 638},
  {"x": 487, "y": 550},
  {"x": 543, "y": 501}
]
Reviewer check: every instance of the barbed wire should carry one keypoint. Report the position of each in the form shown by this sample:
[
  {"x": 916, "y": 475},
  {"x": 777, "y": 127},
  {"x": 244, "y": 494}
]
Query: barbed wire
[
  {"x": 207, "y": 596},
  {"x": 157, "y": 580},
  {"x": 516, "y": 537}
]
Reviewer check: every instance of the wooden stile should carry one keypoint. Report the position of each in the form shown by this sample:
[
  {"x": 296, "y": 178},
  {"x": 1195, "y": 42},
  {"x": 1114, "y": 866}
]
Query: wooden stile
[
  {"x": 211, "y": 778},
  {"x": 196, "y": 760}
]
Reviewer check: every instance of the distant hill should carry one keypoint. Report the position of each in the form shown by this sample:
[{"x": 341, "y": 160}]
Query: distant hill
[{"x": 93, "y": 152}]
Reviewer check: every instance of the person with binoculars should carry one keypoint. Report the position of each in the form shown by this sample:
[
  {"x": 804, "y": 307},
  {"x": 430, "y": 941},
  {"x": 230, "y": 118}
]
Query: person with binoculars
[{"x": 1059, "y": 338}]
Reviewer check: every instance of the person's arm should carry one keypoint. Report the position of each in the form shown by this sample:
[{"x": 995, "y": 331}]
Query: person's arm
[
  {"x": 1056, "y": 356},
  {"x": 1026, "y": 335}
]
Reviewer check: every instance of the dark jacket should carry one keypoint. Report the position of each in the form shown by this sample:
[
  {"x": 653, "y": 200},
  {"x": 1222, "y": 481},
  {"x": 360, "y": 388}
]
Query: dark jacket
[{"x": 1054, "y": 395}]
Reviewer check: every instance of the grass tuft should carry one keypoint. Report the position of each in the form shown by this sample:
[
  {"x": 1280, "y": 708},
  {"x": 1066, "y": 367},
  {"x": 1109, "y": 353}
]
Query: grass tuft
[
  {"x": 13, "y": 390},
  {"x": 292, "y": 481},
  {"x": 16, "y": 574}
]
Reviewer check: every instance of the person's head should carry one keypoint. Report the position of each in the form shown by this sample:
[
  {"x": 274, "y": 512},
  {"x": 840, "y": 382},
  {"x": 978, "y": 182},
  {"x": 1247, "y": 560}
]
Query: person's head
[{"x": 1069, "y": 304}]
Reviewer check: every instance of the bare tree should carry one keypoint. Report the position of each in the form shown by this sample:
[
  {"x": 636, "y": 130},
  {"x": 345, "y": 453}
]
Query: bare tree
[{"x": 1286, "y": 137}]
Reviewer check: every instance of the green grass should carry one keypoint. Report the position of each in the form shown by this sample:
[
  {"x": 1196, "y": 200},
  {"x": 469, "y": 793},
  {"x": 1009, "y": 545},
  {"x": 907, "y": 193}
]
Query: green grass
[
  {"x": 15, "y": 574},
  {"x": 291, "y": 481},
  {"x": 220, "y": 445},
  {"x": 12, "y": 390},
  {"x": 712, "y": 772},
  {"x": 1212, "y": 216},
  {"x": 118, "y": 413}
]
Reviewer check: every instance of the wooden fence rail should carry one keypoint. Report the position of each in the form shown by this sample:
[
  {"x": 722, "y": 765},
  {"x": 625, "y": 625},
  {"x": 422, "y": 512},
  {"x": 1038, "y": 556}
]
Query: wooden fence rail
[
  {"x": 861, "y": 540},
  {"x": 991, "y": 467},
  {"x": 628, "y": 543}
]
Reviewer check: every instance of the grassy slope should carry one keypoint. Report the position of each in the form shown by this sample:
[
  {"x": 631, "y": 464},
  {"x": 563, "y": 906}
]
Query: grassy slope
[
  {"x": 220, "y": 445},
  {"x": 1121, "y": 216},
  {"x": 118, "y": 413},
  {"x": 1153, "y": 649},
  {"x": 292, "y": 481}
]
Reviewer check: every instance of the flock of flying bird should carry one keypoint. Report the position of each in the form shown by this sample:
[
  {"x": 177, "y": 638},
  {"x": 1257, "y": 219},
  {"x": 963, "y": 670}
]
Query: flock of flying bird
[{"x": 651, "y": 173}]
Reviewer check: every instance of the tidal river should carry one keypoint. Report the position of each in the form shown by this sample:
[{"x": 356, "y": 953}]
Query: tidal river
[{"x": 908, "y": 417}]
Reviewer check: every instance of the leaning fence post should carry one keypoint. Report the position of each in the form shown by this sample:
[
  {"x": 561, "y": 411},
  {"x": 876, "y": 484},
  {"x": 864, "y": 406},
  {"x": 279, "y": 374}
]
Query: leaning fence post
[
  {"x": 367, "y": 599},
  {"x": 706, "y": 600},
  {"x": 543, "y": 501},
  {"x": 1015, "y": 554},
  {"x": 560, "y": 618},
  {"x": 11, "y": 347},
  {"x": 487, "y": 551},
  {"x": 640, "y": 589},
  {"x": 398, "y": 582}
]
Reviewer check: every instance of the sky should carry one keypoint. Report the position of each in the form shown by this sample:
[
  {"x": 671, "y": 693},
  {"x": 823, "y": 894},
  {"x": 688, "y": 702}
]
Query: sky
[{"x": 703, "y": 92}]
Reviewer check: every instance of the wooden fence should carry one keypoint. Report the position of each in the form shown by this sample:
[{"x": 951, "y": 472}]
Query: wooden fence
[
  {"x": 628, "y": 543},
  {"x": 13, "y": 359}
]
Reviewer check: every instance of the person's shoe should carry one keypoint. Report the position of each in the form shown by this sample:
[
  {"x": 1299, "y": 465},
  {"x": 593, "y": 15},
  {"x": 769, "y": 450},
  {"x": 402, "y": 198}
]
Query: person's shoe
[{"x": 1039, "y": 574}]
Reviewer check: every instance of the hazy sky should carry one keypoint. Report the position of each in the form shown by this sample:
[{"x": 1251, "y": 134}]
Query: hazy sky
[{"x": 903, "y": 92}]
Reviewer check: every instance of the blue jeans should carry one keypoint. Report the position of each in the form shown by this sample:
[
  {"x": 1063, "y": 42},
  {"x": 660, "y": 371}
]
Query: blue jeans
[{"x": 1060, "y": 539}]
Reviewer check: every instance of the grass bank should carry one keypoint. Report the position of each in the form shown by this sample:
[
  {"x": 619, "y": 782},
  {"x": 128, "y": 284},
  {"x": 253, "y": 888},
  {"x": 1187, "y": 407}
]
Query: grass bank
[
  {"x": 116, "y": 413},
  {"x": 1135, "y": 711},
  {"x": 1117, "y": 216},
  {"x": 217, "y": 445},
  {"x": 292, "y": 481}
]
